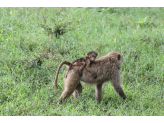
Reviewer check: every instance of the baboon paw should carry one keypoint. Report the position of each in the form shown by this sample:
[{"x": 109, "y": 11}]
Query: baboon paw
[{"x": 124, "y": 97}]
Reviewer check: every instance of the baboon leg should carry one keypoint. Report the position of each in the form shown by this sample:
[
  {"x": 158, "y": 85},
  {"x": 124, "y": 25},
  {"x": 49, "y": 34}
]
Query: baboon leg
[
  {"x": 81, "y": 68},
  {"x": 70, "y": 84},
  {"x": 65, "y": 94},
  {"x": 88, "y": 68},
  {"x": 120, "y": 91},
  {"x": 116, "y": 82},
  {"x": 98, "y": 92},
  {"x": 77, "y": 91}
]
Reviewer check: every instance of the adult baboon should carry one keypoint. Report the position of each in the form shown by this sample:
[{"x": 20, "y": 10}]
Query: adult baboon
[{"x": 106, "y": 68}]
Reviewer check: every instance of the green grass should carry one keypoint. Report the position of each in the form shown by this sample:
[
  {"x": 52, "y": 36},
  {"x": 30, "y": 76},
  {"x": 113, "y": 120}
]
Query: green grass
[{"x": 31, "y": 50}]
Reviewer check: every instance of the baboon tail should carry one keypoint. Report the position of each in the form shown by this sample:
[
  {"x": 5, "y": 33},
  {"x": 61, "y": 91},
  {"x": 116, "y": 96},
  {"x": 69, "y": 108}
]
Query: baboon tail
[{"x": 56, "y": 77}]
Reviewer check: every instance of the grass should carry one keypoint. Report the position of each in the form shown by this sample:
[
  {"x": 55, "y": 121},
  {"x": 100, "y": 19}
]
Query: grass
[{"x": 35, "y": 40}]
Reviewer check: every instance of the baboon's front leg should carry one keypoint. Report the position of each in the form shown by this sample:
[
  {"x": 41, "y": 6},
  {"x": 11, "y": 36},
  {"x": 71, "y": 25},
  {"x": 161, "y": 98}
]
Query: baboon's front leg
[
  {"x": 116, "y": 82},
  {"x": 98, "y": 92},
  {"x": 120, "y": 91}
]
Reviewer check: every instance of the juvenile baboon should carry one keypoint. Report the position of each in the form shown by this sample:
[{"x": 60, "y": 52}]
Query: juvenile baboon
[
  {"x": 84, "y": 62},
  {"x": 106, "y": 68}
]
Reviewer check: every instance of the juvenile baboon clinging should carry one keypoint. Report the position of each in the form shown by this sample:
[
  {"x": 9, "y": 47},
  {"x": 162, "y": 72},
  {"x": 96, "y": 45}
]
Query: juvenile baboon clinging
[
  {"x": 106, "y": 68},
  {"x": 84, "y": 61}
]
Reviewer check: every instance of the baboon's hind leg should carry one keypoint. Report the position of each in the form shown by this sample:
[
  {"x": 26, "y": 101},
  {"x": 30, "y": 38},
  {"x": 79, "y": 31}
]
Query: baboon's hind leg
[
  {"x": 77, "y": 91},
  {"x": 70, "y": 84},
  {"x": 65, "y": 94}
]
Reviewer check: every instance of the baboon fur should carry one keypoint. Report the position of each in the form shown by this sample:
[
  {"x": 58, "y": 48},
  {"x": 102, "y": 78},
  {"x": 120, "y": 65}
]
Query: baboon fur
[{"x": 106, "y": 68}]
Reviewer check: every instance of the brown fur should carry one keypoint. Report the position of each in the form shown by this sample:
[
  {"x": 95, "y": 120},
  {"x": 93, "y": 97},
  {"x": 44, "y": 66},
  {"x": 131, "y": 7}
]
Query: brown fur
[
  {"x": 61, "y": 64},
  {"x": 84, "y": 62},
  {"x": 106, "y": 68}
]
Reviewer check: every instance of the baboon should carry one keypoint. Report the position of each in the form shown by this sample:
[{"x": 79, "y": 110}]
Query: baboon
[
  {"x": 84, "y": 62},
  {"x": 106, "y": 68}
]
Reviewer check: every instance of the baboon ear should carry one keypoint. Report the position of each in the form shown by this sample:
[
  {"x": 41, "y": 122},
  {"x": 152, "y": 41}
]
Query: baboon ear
[
  {"x": 87, "y": 53},
  {"x": 118, "y": 57}
]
